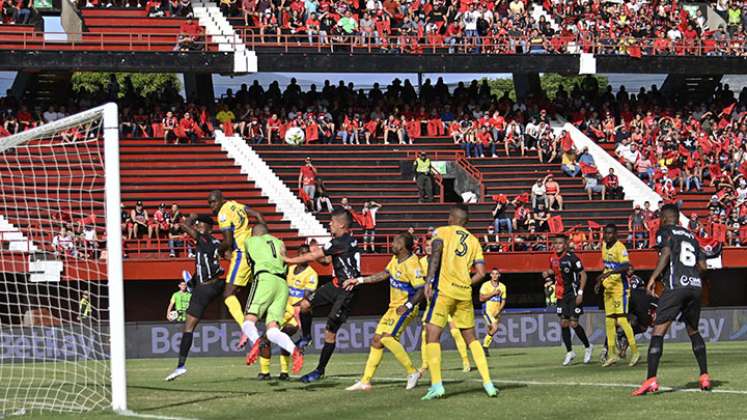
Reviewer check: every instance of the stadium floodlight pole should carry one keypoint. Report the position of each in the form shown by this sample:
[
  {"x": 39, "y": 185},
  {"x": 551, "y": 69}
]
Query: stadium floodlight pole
[{"x": 114, "y": 258}]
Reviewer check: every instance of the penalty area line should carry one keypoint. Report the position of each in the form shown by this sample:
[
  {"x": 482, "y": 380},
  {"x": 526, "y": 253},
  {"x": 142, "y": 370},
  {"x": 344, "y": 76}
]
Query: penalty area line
[{"x": 585, "y": 384}]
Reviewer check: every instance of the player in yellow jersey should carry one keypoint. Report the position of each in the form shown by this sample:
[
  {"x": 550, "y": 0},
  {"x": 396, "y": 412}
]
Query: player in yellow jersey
[
  {"x": 461, "y": 346},
  {"x": 406, "y": 281},
  {"x": 302, "y": 281},
  {"x": 233, "y": 220},
  {"x": 616, "y": 295},
  {"x": 493, "y": 297},
  {"x": 454, "y": 253}
]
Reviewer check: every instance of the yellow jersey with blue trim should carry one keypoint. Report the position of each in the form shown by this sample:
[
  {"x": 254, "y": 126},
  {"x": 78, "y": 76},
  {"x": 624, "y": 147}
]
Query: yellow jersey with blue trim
[
  {"x": 232, "y": 216},
  {"x": 299, "y": 284},
  {"x": 492, "y": 305},
  {"x": 461, "y": 250},
  {"x": 614, "y": 257},
  {"x": 405, "y": 278}
]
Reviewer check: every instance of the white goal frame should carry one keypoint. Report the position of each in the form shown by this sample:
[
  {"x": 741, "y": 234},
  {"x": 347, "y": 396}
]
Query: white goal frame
[{"x": 109, "y": 114}]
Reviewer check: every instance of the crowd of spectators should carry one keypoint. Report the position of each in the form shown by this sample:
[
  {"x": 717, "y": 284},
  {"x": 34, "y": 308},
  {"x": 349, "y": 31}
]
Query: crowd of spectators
[
  {"x": 633, "y": 27},
  {"x": 153, "y": 8},
  {"x": 21, "y": 12},
  {"x": 163, "y": 223}
]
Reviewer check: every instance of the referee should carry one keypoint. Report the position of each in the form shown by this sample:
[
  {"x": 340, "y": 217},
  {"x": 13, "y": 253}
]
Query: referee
[
  {"x": 424, "y": 177},
  {"x": 206, "y": 282}
]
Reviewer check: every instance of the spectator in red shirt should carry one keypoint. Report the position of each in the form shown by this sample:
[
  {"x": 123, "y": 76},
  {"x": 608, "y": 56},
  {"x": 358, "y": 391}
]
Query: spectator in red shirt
[
  {"x": 189, "y": 36},
  {"x": 307, "y": 179},
  {"x": 612, "y": 185},
  {"x": 187, "y": 126}
]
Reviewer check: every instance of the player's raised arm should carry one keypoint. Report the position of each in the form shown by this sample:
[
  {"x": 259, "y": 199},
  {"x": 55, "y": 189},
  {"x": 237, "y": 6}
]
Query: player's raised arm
[
  {"x": 255, "y": 214},
  {"x": 187, "y": 226}
]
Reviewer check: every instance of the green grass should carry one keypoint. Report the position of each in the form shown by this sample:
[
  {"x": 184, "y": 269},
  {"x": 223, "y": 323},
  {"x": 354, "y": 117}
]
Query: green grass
[{"x": 532, "y": 383}]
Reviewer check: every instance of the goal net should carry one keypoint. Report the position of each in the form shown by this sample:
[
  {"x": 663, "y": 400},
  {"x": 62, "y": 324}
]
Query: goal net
[{"x": 61, "y": 305}]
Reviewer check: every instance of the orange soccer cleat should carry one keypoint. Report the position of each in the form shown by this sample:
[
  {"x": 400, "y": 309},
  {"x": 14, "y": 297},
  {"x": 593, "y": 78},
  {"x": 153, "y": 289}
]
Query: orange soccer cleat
[
  {"x": 648, "y": 387},
  {"x": 253, "y": 354},
  {"x": 705, "y": 382},
  {"x": 297, "y": 360},
  {"x": 242, "y": 341}
]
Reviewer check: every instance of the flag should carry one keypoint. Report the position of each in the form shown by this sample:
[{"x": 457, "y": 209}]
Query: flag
[
  {"x": 634, "y": 51},
  {"x": 500, "y": 198},
  {"x": 719, "y": 232},
  {"x": 652, "y": 226},
  {"x": 303, "y": 196},
  {"x": 556, "y": 224},
  {"x": 729, "y": 109},
  {"x": 587, "y": 169},
  {"x": 593, "y": 225},
  {"x": 522, "y": 198},
  {"x": 228, "y": 128},
  {"x": 358, "y": 218}
]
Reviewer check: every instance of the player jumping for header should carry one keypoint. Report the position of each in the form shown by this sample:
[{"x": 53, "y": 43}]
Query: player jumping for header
[{"x": 681, "y": 263}]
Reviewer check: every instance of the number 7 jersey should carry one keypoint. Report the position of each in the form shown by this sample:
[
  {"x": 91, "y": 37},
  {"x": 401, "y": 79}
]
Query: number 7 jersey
[
  {"x": 682, "y": 270},
  {"x": 461, "y": 250}
]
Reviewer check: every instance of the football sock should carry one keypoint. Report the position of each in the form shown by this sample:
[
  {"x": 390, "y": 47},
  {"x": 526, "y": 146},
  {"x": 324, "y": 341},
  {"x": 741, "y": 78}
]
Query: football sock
[
  {"x": 399, "y": 353},
  {"x": 581, "y": 334},
  {"x": 423, "y": 347},
  {"x": 327, "y": 351},
  {"x": 460, "y": 344},
  {"x": 629, "y": 334},
  {"x": 250, "y": 331},
  {"x": 478, "y": 355},
  {"x": 184, "y": 347},
  {"x": 565, "y": 333},
  {"x": 610, "y": 327},
  {"x": 487, "y": 341},
  {"x": 281, "y": 339},
  {"x": 284, "y": 360},
  {"x": 305, "y": 324},
  {"x": 655, "y": 348},
  {"x": 234, "y": 308},
  {"x": 264, "y": 365},
  {"x": 374, "y": 358},
  {"x": 699, "y": 350},
  {"x": 433, "y": 352}
]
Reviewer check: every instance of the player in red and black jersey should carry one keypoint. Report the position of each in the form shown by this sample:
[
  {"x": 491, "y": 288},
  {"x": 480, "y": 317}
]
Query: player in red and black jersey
[
  {"x": 570, "y": 280},
  {"x": 681, "y": 263}
]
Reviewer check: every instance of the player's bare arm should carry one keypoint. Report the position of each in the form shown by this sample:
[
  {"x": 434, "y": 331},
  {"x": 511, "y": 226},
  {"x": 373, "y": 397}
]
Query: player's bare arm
[
  {"x": 434, "y": 265},
  {"x": 666, "y": 252},
  {"x": 412, "y": 302},
  {"x": 255, "y": 214},
  {"x": 188, "y": 226},
  {"x": 350, "y": 284},
  {"x": 227, "y": 245},
  {"x": 581, "y": 285},
  {"x": 479, "y": 275},
  {"x": 311, "y": 256}
]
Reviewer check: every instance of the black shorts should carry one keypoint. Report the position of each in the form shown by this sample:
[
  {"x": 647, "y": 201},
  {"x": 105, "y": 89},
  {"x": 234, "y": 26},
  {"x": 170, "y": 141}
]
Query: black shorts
[
  {"x": 684, "y": 301},
  {"x": 567, "y": 308},
  {"x": 202, "y": 295},
  {"x": 640, "y": 303},
  {"x": 340, "y": 300}
]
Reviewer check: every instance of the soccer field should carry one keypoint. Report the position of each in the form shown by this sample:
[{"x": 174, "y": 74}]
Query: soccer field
[{"x": 532, "y": 383}]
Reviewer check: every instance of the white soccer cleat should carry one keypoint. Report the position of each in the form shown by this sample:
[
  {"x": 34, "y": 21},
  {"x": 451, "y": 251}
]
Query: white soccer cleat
[
  {"x": 569, "y": 358},
  {"x": 412, "y": 380},
  {"x": 176, "y": 373},
  {"x": 588, "y": 354},
  {"x": 359, "y": 386}
]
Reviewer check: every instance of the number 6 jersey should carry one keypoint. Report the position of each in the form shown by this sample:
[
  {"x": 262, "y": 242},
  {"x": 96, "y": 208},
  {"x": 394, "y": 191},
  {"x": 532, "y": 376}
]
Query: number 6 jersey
[{"x": 682, "y": 270}]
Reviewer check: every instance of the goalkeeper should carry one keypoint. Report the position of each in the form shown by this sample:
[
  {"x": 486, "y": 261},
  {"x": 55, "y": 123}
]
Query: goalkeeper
[
  {"x": 179, "y": 302},
  {"x": 206, "y": 282}
]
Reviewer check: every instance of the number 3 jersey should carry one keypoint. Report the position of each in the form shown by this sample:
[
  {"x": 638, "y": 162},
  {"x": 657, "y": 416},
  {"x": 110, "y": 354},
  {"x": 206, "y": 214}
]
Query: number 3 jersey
[
  {"x": 682, "y": 270},
  {"x": 461, "y": 250}
]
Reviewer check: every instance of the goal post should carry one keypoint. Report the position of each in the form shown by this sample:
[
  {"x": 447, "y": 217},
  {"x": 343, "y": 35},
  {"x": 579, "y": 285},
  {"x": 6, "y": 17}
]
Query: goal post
[{"x": 62, "y": 330}]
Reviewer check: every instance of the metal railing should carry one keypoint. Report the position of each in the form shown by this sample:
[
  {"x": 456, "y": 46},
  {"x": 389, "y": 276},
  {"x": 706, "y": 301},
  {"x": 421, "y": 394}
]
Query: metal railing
[{"x": 97, "y": 41}]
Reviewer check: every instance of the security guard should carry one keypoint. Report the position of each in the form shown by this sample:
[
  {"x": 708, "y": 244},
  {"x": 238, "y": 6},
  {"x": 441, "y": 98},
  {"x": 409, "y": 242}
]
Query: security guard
[{"x": 424, "y": 177}]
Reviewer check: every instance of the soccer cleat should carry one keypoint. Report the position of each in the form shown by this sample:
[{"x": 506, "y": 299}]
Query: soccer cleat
[
  {"x": 312, "y": 376},
  {"x": 569, "y": 358},
  {"x": 412, "y": 380},
  {"x": 634, "y": 359},
  {"x": 359, "y": 386},
  {"x": 434, "y": 392},
  {"x": 490, "y": 389},
  {"x": 603, "y": 356},
  {"x": 588, "y": 353},
  {"x": 466, "y": 366},
  {"x": 253, "y": 354},
  {"x": 648, "y": 387},
  {"x": 284, "y": 376},
  {"x": 705, "y": 382},
  {"x": 611, "y": 360},
  {"x": 264, "y": 377},
  {"x": 303, "y": 342},
  {"x": 176, "y": 373},
  {"x": 242, "y": 342},
  {"x": 297, "y": 360}
]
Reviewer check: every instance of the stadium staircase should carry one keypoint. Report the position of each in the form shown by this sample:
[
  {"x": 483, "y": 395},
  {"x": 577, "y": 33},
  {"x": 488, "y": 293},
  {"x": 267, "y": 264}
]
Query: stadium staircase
[
  {"x": 184, "y": 174},
  {"x": 363, "y": 173}
]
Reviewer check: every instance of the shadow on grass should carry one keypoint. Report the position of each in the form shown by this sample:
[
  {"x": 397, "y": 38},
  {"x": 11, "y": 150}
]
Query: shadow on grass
[
  {"x": 317, "y": 386},
  {"x": 478, "y": 389},
  {"x": 714, "y": 384},
  {"x": 196, "y": 401},
  {"x": 190, "y": 390}
]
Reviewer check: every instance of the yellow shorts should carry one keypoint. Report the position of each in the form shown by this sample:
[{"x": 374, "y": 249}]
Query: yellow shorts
[
  {"x": 239, "y": 272},
  {"x": 490, "y": 318},
  {"x": 616, "y": 301},
  {"x": 290, "y": 319},
  {"x": 444, "y": 309},
  {"x": 392, "y": 324}
]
